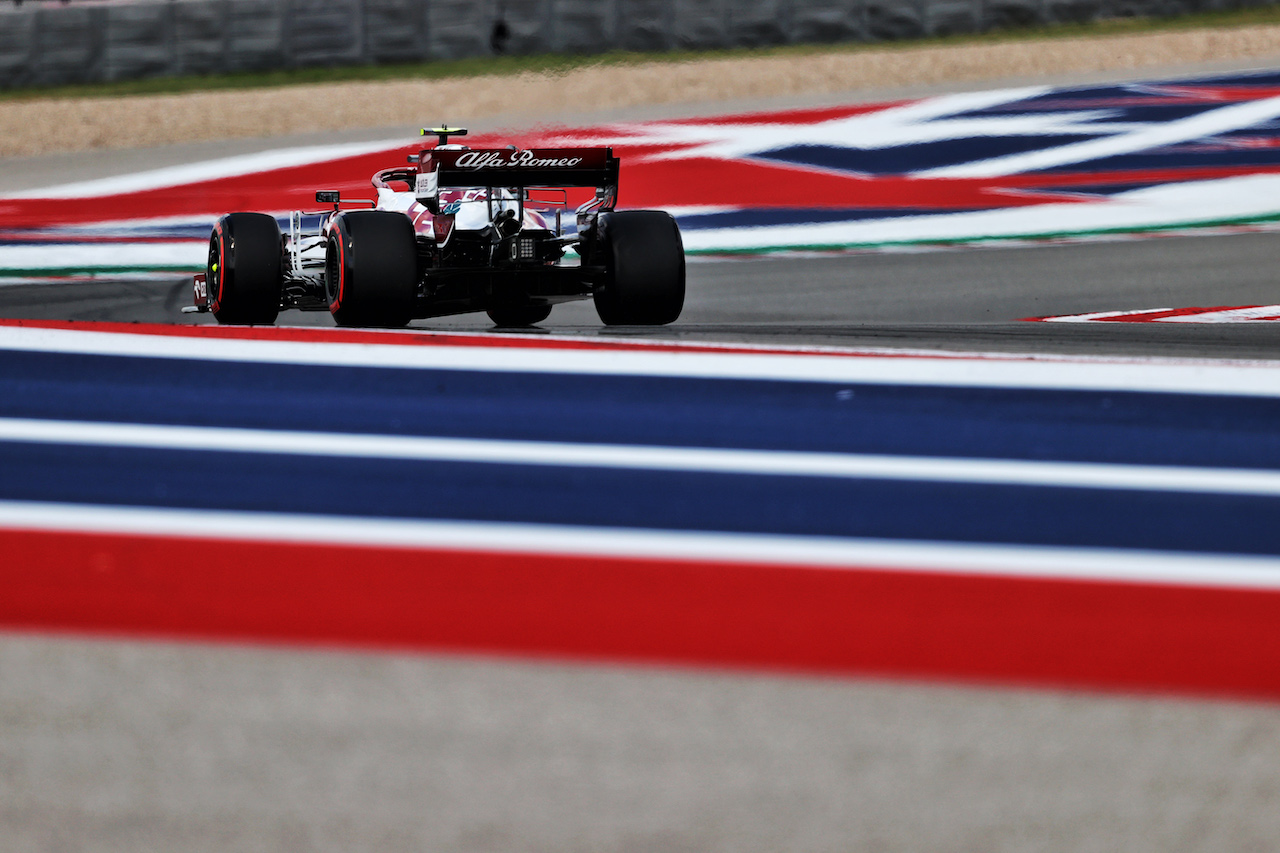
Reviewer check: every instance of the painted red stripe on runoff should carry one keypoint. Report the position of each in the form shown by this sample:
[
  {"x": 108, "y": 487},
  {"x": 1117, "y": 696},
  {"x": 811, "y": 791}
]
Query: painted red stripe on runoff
[
  {"x": 645, "y": 183},
  {"x": 365, "y": 336},
  {"x": 798, "y": 115},
  {"x": 411, "y": 337},
  {"x": 1094, "y": 635}
]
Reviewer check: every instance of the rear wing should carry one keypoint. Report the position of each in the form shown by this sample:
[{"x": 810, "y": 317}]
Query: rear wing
[{"x": 518, "y": 168}]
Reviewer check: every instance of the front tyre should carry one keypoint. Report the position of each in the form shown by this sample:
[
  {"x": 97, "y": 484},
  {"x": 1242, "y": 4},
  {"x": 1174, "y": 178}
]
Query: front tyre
[
  {"x": 644, "y": 260},
  {"x": 245, "y": 270},
  {"x": 371, "y": 268}
]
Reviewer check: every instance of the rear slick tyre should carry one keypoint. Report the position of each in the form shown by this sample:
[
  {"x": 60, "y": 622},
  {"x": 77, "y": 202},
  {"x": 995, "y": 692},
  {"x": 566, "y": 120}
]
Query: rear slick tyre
[
  {"x": 371, "y": 268},
  {"x": 644, "y": 258},
  {"x": 245, "y": 269}
]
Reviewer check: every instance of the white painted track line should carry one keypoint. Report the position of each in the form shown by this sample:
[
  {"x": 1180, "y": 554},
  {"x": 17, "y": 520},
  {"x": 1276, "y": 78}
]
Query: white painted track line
[
  {"x": 1261, "y": 378},
  {"x": 955, "y": 558},
  {"x": 1012, "y": 472}
]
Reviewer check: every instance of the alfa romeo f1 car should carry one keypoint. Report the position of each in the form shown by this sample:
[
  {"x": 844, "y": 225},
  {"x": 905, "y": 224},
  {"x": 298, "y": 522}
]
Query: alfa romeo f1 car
[{"x": 459, "y": 229}]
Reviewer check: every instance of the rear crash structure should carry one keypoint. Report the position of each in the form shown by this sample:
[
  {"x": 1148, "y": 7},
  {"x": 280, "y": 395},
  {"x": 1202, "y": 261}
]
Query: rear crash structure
[{"x": 511, "y": 232}]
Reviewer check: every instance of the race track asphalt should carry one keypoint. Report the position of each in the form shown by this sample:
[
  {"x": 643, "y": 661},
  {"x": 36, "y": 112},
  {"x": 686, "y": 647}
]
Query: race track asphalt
[{"x": 971, "y": 299}]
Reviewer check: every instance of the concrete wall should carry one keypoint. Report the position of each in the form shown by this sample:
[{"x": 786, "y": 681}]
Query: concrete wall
[{"x": 51, "y": 44}]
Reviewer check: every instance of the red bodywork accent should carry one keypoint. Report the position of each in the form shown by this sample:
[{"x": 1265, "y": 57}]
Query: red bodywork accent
[{"x": 200, "y": 290}]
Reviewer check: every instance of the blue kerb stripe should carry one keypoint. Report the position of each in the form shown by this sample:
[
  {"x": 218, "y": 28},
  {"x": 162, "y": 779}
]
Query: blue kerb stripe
[
  {"x": 1120, "y": 427},
  {"x": 662, "y": 500}
]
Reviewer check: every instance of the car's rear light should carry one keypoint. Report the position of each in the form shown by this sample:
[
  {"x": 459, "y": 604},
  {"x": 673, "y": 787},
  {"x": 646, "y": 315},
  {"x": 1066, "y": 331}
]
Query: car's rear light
[
  {"x": 528, "y": 250},
  {"x": 442, "y": 225}
]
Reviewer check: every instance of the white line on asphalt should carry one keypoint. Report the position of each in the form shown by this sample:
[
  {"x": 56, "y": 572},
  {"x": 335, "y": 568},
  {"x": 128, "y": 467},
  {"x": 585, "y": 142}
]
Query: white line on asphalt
[
  {"x": 647, "y": 457},
  {"x": 982, "y": 370},
  {"x": 955, "y": 558},
  {"x": 1103, "y": 315},
  {"x": 1227, "y": 315}
]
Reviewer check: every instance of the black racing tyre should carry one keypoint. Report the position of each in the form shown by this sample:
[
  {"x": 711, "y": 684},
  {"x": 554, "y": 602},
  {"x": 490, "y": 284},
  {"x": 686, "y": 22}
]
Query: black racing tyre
[
  {"x": 518, "y": 315},
  {"x": 371, "y": 268},
  {"x": 644, "y": 256},
  {"x": 245, "y": 271}
]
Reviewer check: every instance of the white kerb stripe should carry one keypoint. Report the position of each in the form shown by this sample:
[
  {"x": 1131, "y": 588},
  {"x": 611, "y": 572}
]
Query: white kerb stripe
[
  {"x": 1260, "y": 378},
  {"x": 1013, "y": 561},
  {"x": 648, "y": 457}
]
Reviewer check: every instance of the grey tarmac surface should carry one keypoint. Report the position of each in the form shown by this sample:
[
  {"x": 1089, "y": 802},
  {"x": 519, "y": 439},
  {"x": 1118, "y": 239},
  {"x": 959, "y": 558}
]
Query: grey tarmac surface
[
  {"x": 971, "y": 299},
  {"x": 125, "y": 747},
  {"x": 113, "y": 745}
]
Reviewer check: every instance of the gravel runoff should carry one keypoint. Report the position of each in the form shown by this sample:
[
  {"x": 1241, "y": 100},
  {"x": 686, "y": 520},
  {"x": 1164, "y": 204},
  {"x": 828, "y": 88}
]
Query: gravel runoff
[
  {"x": 126, "y": 746},
  {"x": 45, "y": 126}
]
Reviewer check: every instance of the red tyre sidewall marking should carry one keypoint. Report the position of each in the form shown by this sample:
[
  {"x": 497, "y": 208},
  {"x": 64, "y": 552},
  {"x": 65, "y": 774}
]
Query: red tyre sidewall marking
[
  {"x": 215, "y": 304},
  {"x": 342, "y": 271}
]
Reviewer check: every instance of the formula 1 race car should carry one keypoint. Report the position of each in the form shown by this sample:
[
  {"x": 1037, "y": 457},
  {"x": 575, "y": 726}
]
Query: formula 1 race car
[{"x": 456, "y": 231}]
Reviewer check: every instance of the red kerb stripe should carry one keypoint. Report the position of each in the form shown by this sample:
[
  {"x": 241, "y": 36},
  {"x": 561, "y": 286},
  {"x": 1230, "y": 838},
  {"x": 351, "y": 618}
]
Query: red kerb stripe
[{"x": 1110, "y": 636}]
